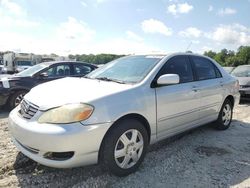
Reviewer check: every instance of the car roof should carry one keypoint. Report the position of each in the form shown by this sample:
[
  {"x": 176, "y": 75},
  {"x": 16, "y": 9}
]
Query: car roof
[
  {"x": 48, "y": 63},
  {"x": 170, "y": 54}
]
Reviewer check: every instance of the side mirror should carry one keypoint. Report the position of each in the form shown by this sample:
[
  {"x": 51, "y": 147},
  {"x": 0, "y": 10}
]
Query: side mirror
[
  {"x": 168, "y": 79},
  {"x": 43, "y": 75}
]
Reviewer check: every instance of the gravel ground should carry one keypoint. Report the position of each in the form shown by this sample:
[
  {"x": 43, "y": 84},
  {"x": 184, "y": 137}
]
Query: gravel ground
[{"x": 202, "y": 157}]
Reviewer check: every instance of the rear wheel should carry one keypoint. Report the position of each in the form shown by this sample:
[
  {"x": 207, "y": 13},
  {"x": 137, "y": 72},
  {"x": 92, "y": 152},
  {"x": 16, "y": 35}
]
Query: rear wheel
[
  {"x": 225, "y": 117},
  {"x": 124, "y": 147},
  {"x": 16, "y": 99}
]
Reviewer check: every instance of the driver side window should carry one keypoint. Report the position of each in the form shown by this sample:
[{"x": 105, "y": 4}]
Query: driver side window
[
  {"x": 58, "y": 71},
  {"x": 179, "y": 65}
]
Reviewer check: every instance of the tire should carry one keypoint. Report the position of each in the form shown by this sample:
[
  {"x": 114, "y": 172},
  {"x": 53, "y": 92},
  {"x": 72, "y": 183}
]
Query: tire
[
  {"x": 225, "y": 116},
  {"x": 16, "y": 98},
  {"x": 131, "y": 150}
]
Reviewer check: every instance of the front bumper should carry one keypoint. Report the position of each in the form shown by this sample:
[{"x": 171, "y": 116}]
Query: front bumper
[
  {"x": 245, "y": 92},
  {"x": 4, "y": 95},
  {"x": 83, "y": 141}
]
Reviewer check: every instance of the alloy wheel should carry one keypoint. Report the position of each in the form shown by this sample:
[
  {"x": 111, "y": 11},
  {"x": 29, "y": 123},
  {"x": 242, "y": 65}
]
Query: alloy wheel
[
  {"x": 19, "y": 98},
  {"x": 226, "y": 114}
]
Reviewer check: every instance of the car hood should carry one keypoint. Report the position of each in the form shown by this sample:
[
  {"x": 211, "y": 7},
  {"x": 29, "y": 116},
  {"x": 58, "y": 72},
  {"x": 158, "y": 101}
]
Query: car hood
[
  {"x": 72, "y": 90},
  {"x": 244, "y": 80}
]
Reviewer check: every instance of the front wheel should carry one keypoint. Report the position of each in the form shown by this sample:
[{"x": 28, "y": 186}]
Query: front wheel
[
  {"x": 225, "y": 116},
  {"x": 125, "y": 147},
  {"x": 16, "y": 99}
]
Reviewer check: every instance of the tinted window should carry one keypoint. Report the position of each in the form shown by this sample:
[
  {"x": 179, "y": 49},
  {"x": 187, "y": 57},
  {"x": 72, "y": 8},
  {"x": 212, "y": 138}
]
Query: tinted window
[
  {"x": 218, "y": 73},
  {"x": 181, "y": 66},
  {"x": 81, "y": 69},
  {"x": 58, "y": 71},
  {"x": 204, "y": 68}
]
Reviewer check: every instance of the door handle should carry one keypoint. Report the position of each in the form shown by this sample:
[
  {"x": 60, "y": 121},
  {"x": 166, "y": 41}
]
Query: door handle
[{"x": 221, "y": 83}]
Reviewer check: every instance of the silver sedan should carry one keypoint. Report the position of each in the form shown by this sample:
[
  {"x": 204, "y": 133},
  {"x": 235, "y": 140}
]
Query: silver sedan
[
  {"x": 242, "y": 73},
  {"x": 112, "y": 115}
]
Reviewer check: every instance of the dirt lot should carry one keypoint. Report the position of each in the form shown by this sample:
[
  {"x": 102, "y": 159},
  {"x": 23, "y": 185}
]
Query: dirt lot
[{"x": 200, "y": 158}]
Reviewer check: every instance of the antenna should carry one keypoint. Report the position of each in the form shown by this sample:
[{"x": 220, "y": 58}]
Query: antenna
[{"x": 189, "y": 46}]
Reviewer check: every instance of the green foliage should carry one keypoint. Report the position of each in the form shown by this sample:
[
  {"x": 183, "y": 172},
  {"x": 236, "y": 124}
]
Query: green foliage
[
  {"x": 95, "y": 59},
  {"x": 210, "y": 54},
  {"x": 230, "y": 58}
]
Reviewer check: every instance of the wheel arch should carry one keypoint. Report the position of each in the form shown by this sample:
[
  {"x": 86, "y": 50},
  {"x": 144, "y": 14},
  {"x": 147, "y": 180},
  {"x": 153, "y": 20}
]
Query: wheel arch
[
  {"x": 12, "y": 92},
  {"x": 136, "y": 116},
  {"x": 231, "y": 99}
]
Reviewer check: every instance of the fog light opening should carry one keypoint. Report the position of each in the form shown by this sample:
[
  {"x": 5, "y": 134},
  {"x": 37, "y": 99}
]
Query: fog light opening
[{"x": 59, "y": 156}]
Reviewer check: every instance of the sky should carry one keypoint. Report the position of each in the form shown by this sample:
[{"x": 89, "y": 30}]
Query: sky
[{"x": 123, "y": 26}]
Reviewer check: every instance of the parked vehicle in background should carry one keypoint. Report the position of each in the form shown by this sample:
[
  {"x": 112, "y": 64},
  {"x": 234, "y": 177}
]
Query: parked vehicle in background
[
  {"x": 115, "y": 112},
  {"x": 229, "y": 69},
  {"x": 16, "y": 62},
  {"x": 242, "y": 73},
  {"x": 13, "y": 88},
  {"x": 1, "y": 68},
  {"x": 22, "y": 65}
]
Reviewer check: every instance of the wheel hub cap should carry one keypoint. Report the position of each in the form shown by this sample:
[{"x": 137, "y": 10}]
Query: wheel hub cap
[
  {"x": 227, "y": 114},
  {"x": 128, "y": 149}
]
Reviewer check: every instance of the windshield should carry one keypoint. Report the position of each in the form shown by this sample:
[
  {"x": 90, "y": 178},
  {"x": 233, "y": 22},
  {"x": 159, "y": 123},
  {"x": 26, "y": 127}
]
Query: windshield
[
  {"x": 241, "y": 71},
  {"x": 130, "y": 69},
  {"x": 23, "y": 63},
  {"x": 32, "y": 70}
]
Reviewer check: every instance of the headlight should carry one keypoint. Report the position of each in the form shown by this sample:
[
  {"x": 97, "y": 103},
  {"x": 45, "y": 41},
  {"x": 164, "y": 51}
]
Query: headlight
[{"x": 69, "y": 113}]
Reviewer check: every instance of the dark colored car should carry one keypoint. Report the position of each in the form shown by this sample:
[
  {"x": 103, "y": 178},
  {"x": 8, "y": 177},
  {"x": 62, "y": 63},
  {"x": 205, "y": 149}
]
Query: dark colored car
[{"x": 13, "y": 88}]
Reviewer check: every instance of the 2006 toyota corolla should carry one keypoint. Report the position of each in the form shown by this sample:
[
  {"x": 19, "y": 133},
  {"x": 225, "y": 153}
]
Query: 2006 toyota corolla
[{"x": 113, "y": 114}]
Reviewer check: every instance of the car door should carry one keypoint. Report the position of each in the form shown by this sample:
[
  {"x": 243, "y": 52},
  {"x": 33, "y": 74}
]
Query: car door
[
  {"x": 210, "y": 85},
  {"x": 177, "y": 105},
  {"x": 54, "y": 72}
]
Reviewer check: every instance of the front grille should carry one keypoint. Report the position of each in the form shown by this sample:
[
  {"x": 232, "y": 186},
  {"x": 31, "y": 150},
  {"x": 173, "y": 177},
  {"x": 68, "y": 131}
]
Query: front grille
[
  {"x": 244, "y": 86},
  {"x": 28, "y": 110}
]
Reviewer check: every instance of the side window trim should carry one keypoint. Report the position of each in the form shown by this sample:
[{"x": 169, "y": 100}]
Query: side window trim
[
  {"x": 217, "y": 71},
  {"x": 193, "y": 68}
]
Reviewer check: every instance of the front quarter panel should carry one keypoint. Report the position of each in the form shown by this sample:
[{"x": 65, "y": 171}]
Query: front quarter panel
[{"x": 137, "y": 100}]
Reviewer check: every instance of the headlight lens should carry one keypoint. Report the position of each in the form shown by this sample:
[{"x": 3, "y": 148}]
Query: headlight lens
[{"x": 69, "y": 113}]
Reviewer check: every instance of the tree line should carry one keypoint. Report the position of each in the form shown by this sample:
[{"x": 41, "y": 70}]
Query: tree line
[
  {"x": 95, "y": 59},
  {"x": 224, "y": 57},
  {"x": 231, "y": 58}
]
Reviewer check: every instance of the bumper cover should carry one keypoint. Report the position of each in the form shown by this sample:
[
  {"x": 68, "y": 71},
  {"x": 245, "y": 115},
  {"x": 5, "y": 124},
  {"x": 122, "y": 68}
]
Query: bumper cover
[
  {"x": 84, "y": 141},
  {"x": 245, "y": 91},
  {"x": 4, "y": 95}
]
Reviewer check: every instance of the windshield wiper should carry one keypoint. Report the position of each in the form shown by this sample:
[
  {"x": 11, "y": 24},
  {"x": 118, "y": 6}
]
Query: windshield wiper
[
  {"x": 110, "y": 80},
  {"x": 87, "y": 77}
]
